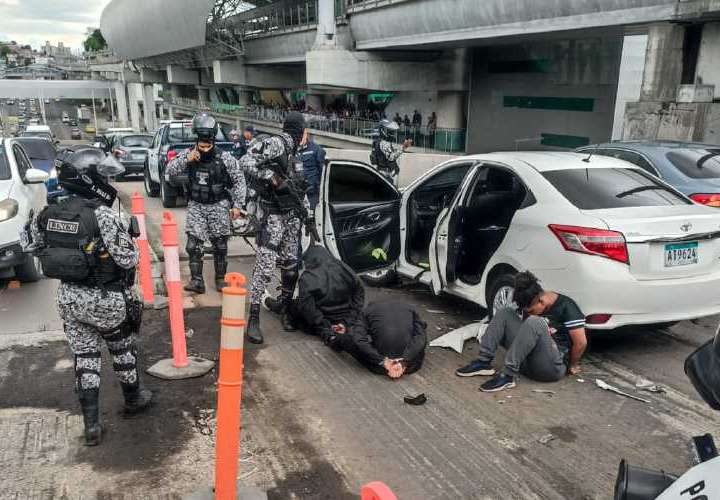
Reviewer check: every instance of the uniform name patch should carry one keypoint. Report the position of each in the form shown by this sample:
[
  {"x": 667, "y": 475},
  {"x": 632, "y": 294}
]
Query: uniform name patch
[{"x": 63, "y": 226}]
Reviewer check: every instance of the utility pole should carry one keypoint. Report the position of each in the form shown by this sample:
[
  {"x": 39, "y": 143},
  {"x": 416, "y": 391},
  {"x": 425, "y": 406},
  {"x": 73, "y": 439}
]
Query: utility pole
[{"x": 94, "y": 113}]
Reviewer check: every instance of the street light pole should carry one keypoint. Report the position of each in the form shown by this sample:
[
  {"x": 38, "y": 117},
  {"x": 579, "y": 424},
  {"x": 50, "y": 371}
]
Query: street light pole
[{"x": 94, "y": 113}]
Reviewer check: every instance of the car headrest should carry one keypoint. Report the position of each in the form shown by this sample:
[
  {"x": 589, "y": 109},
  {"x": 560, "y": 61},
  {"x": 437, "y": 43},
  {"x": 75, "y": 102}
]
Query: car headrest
[{"x": 703, "y": 369}]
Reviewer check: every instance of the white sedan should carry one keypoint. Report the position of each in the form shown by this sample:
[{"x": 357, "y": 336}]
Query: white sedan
[{"x": 628, "y": 248}]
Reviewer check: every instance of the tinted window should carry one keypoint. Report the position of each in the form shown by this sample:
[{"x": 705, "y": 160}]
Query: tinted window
[
  {"x": 38, "y": 150},
  {"x": 4, "y": 165},
  {"x": 185, "y": 134},
  {"x": 356, "y": 184},
  {"x": 136, "y": 141},
  {"x": 44, "y": 135},
  {"x": 21, "y": 161},
  {"x": 697, "y": 163},
  {"x": 452, "y": 176},
  {"x": 598, "y": 188}
]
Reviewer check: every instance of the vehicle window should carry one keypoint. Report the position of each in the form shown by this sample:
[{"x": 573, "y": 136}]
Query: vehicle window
[
  {"x": 5, "y": 173},
  {"x": 349, "y": 183},
  {"x": 630, "y": 157},
  {"x": 696, "y": 163},
  {"x": 598, "y": 188},
  {"x": 451, "y": 176},
  {"x": 38, "y": 150},
  {"x": 136, "y": 141},
  {"x": 185, "y": 134},
  {"x": 22, "y": 162}
]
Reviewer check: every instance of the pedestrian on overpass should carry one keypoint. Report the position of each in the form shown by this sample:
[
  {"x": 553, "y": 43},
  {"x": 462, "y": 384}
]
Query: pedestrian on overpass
[
  {"x": 87, "y": 246},
  {"x": 544, "y": 337},
  {"x": 312, "y": 155},
  {"x": 216, "y": 196}
]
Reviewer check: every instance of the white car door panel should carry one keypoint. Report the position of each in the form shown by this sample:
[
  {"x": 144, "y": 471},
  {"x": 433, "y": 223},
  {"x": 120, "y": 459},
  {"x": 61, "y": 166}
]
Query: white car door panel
[{"x": 360, "y": 220}]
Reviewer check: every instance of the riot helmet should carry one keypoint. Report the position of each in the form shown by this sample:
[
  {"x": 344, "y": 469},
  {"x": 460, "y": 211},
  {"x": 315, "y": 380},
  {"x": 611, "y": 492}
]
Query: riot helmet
[
  {"x": 294, "y": 125},
  {"x": 86, "y": 172},
  {"x": 205, "y": 127},
  {"x": 388, "y": 130}
]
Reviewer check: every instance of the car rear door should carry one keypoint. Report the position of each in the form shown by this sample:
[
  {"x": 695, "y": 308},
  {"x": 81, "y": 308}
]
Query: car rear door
[
  {"x": 153, "y": 156},
  {"x": 360, "y": 219},
  {"x": 445, "y": 243}
]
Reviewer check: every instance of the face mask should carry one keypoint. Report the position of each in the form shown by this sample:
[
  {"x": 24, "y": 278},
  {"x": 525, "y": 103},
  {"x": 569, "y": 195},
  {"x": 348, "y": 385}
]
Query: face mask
[{"x": 207, "y": 156}]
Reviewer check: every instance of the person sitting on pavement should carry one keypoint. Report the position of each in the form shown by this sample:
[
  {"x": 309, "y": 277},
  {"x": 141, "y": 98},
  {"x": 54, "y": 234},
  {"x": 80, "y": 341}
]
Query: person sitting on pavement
[
  {"x": 389, "y": 339},
  {"x": 544, "y": 337},
  {"x": 330, "y": 296}
]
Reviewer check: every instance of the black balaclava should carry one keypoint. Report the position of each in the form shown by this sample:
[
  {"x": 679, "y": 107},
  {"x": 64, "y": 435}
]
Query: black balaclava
[{"x": 294, "y": 126}]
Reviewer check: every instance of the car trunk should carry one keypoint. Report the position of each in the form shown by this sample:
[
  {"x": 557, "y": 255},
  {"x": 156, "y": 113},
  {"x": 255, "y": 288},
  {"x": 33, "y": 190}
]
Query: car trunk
[
  {"x": 680, "y": 241},
  {"x": 136, "y": 154}
]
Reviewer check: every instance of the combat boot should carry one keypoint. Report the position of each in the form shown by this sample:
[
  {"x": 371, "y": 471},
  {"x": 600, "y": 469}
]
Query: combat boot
[
  {"x": 254, "y": 333},
  {"x": 196, "y": 284},
  {"x": 90, "y": 404},
  {"x": 137, "y": 398},
  {"x": 288, "y": 280},
  {"x": 220, "y": 271}
]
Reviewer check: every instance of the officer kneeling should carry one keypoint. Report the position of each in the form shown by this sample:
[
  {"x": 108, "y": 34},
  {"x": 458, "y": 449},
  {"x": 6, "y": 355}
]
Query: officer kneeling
[
  {"x": 88, "y": 246},
  {"x": 216, "y": 194}
]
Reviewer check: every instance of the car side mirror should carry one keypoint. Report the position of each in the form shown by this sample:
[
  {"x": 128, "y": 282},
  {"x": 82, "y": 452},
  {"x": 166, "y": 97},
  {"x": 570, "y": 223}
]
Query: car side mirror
[
  {"x": 35, "y": 176},
  {"x": 703, "y": 369}
]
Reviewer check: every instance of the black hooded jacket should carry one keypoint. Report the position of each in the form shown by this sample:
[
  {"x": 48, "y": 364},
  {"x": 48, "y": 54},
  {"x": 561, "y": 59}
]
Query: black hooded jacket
[{"x": 329, "y": 291}]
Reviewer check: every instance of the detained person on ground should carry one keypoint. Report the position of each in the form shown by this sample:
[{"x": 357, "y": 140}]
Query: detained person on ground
[{"x": 544, "y": 337}]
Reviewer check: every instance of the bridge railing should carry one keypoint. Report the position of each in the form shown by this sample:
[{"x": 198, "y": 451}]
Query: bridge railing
[{"x": 446, "y": 140}]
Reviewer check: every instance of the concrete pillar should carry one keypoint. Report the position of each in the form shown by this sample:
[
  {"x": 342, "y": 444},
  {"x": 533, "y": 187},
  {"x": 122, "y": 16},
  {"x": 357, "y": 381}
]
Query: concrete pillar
[
  {"x": 179, "y": 75},
  {"x": 244, "y": 97},
  {"x": 663, "y": 62},
  {"x": 708, "y": 67},
  {"x": 149, "y": 108},
  {"x": 134, "y": 96},
  {"x": 175, "y": 91},
  {"x": 121, "y": 100},
  {"x": 451, "y": 108},
  {"x": 171, "y": 113},
  {"x": 203, "y": 96},
  {"x": 326, "y": 25}
]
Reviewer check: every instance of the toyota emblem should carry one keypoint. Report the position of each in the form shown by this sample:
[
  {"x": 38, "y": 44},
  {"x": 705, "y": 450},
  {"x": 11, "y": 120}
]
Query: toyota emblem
[{"x": 686, "y": 227}]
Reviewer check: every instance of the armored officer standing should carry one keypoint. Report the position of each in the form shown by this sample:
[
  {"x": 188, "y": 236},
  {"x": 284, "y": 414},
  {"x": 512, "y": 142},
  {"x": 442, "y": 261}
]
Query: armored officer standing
[
  {"x": 88, "y": 246},
  {"x": 272, "y": 167},
  {"x": 216, "y": 194},
  {"x": 384, "y": 155}
]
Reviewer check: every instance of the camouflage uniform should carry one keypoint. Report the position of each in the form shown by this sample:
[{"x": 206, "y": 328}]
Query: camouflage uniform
[
  {"x": 91, "y": 313},
  {"x": 392, "y": 155}
]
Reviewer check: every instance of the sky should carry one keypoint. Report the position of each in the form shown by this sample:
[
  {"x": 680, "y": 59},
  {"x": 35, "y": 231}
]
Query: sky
[{"x": 35, "y": 21}]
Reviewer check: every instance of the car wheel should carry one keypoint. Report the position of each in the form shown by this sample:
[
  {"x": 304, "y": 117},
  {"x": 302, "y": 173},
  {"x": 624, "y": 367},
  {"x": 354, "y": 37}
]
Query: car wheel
[
  {"x": 381, "y": 277},
  {"x": 30, "y": 271},
  {"x": 500, "y": 293},
  {"x": 151, "y": 188},
  {"x": 167, "y": 194}
]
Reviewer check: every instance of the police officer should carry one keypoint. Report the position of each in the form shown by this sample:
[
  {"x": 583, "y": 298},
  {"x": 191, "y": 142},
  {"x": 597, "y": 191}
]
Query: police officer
[
  {"x": 277, "y": 174},
  {"x": 88, "y": 246},
  {"x": 312, "y": 155},
  {"x": 384, "y": 155},
  {"x": 216, "y": 195}
]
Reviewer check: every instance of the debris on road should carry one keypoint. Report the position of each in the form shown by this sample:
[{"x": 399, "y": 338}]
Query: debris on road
[
  {"x": 646, "y": 385},
  {"x": 544, "y": 391},
  {"x": 455, "y": 339},
  {"x": 607, "y": 387},
  {"x": 581, "y": 380},
  {"x": 435, "y": 311},
  {"x": 546, "y": 438},
  {"x": 418, "y": 400}
]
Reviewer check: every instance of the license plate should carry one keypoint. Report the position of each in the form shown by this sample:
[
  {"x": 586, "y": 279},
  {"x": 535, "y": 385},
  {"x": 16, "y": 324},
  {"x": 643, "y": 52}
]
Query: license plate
[
  {"x": 138, "y": 156},
  {"x": 681, "y": 254}
]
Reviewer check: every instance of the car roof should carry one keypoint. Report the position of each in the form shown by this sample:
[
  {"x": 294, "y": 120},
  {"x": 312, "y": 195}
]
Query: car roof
[
  {"x": 545, "y": 161},
  {"x": 653, "y": 145}
]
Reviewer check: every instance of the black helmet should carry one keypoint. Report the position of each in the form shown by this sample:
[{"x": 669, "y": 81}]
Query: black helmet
[
  {"x": 388, "y": 129},
  {"x": 205, "y": 127},
  {"x": 294, "y": 125},
  {"x": 85, "y": 171}
]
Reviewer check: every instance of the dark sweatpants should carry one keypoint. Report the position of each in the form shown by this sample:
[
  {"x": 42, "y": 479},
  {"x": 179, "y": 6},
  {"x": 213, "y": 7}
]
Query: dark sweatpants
[{"x": 530, "y": 348}]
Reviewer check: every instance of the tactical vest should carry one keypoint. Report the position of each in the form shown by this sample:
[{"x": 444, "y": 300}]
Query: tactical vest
[
  {"x": 74, "y": 251},
  {"x": 290, "y": 195},
  {"x": 378, "y": 158},
  {"x": 209, "y": 181}
]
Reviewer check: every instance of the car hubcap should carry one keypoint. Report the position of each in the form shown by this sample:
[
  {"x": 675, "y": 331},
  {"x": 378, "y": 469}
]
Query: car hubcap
[{"x": 503, "y": 298}]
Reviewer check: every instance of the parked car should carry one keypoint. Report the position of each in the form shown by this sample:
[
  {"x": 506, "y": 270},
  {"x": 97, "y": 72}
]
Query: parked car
[
  {"x": 692, "y": 168},
  {"x": 131, "y": 151},
  {"x": 167, "y": 141},
  {"x": 42, "y": 154},
  {"x": 65, "y": 117},
  {"x": 22, "y": 194},
  {"x": 629, "y": 248},
  {"x": 75, "y": 134}
]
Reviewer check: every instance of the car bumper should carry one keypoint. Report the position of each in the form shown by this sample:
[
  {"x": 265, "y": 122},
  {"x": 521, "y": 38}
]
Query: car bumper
[
  {"x": 134, "y": 166},
  {"x": 11, "y": 255},
  {"x": 602, "y": 286}
]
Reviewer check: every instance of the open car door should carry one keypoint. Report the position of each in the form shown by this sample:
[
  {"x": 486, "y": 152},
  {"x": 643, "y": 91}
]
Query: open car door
[
  {"x": 446, "y": 239},
  {"x": 360, "y": 219}
]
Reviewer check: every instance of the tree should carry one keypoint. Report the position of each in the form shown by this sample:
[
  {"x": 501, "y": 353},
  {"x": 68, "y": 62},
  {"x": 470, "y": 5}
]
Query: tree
[
  {"x": 95, "y": 41},
  {"x": 4, "y": 51}
]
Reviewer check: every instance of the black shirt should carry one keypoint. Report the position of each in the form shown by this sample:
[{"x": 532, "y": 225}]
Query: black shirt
[{"x": 564, "y": 315}]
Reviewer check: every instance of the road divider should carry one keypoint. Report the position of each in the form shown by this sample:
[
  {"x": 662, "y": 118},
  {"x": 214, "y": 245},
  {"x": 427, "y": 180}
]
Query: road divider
[{"x": 180, "y": 366}]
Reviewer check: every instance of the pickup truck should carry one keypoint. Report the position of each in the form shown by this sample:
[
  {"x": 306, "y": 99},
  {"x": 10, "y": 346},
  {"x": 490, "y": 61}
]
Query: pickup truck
[{"x": 169, "y": 140}]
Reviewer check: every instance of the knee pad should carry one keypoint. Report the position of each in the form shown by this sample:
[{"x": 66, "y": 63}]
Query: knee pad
[
  {"x": 194, "y": 248},
  {"x": 220, "y": 246}
]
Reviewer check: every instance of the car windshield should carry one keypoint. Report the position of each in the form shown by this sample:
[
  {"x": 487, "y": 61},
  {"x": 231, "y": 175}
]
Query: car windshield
[
  {"x": 136, "y": 141},
  {"x": 184, "y": 133},
  {"x": 696, "y": 163},
  {"x": 599, "y": 188},
  {"x": 38, "y": 150},
  {"x": 4, "y": 166}
]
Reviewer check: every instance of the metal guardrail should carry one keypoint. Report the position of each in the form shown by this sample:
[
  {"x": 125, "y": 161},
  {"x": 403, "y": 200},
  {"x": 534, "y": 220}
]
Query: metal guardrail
[{"x": 445, "y": 140}]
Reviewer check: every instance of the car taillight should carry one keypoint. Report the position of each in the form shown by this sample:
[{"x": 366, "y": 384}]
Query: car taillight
[
  {"x": 711, "y": 200},
  {"x": 171, "y": 155},
  {"x": 597, "y": 319},
  {"x": 602, "y": 242}
]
